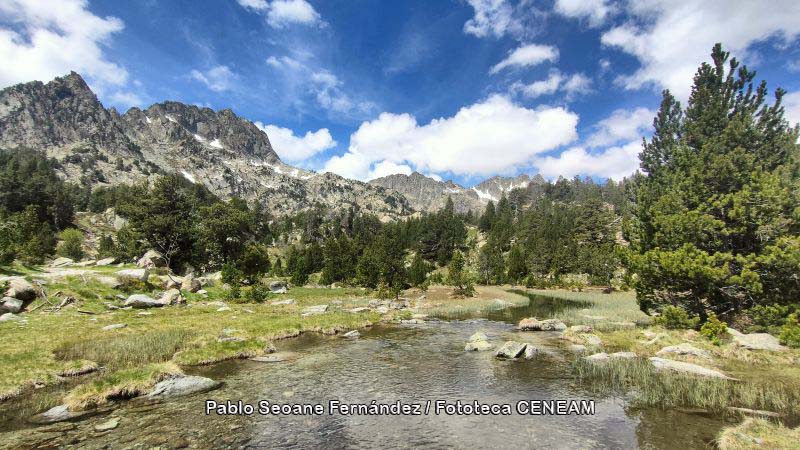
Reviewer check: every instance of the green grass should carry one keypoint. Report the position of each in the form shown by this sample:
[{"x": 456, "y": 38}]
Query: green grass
[
  {"x": 441, "y": 304},
  {"x": 119, "y": 385},
  {"x": 648, "y": 387},
  {"x": 214, "y": 352},
  {"x": 604, "y": 311},
  {"x": 126, "y": 350},
  {"x": 758, "y": 433}
]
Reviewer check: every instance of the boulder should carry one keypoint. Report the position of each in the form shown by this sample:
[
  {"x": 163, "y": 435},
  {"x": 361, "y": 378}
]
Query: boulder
[
  {"x": 151, "y": 260},
  {"x": 597, "y": 357},
  {"x": 223, "y": 308},
  {"x": 592, "y": 340},
  {"x": 532, "y": 324},
  {"x": 352, "y": 334},
  {"x": 191, "y": 284},
  {"x": 662, "y": 364},
  {"x": 115, "y": 326},
  {"x": 316, "y": 309},
  {"x": 8, "y": 317},
  {"x": 60, "y": 413},
  {"x": 530, "y": 352},
  {"x": 171, "y": 283},
  {"x": 756, "y": 341},
  {"x": 179, "y": 386},
  {"x": 106, "y": 262},
  {"x": 172, "y": 297},
  {"x": 278, "y": 287},
  {"x": 478, "y": 342},
  {"x": 111, "y": 282},
  {"x": 577, "y": 348},
  {"x": 478, "y": 336},
  {"x": 684, "y": 349},
  {"x": 581, "y": 329},
  {"x": 143, "y": 301},
  {"x": 61, "y": 262},
  {"x": 21, "y": 289},
  {"x": 86, "y": 263},
  {"x": 10, "y": 305},
  {"x": 288, "y": 301},
  {"x": 603, "y": 357},
  {"x": 137, "y": 274},
  {"x": 511, "y": 350}
]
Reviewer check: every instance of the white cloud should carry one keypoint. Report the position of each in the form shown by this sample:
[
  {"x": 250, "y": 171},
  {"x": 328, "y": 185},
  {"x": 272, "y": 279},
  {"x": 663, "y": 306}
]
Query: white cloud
[
  {"x": 218, "y": 79},
  {"x": 493, "y": 136},
  {"x": 678, "y": 35},
  {"x": 791, "y": 105},
  {"x": 527, "y": 55},
  {"x": 52, "y": 37},
  {"x": 572, "y": 86},
  {"x": 613, "y": 162},
  {"x": 385, "y": 168},
  {"x": 126, "y": 98},
  {"x": 594, "y": 11},
  {"x": 281, "y": 13},
  {"x": 297, "y": 148},
  {"x": 492, "y": 17},
  {"x": 622, "y": 125},
  {"x": 284, "y": 62}
]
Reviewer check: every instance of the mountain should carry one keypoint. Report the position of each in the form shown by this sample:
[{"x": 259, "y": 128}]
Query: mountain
[
  {"x": 494, "y": 188},
  {"x": 426, "y": 194},
  {"x": 224, "y": 152}
]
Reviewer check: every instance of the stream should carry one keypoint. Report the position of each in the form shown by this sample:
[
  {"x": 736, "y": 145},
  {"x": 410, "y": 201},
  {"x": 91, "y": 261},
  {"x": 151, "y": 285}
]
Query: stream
[{"x": 408, "y": 363}]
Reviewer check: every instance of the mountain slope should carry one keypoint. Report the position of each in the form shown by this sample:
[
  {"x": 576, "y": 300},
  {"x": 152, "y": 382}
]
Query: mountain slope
[
  {"x": 426, "y": 194},
  {"x": 226, "y": 153}
]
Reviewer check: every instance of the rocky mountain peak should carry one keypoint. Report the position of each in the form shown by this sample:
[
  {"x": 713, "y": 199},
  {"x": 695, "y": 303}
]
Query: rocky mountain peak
[{"x": 427, "y": 194}]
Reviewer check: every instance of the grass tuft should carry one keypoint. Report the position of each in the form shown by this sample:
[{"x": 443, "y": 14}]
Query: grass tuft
[
  {"x": 758, "y": 433},
  {"x": 126, "y": 350},
  {"x": 119, "y": 385}
]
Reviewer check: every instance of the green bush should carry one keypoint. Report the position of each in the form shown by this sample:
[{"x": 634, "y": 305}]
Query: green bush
[
  {"x": 714, "y": 329},
  {"x": 71, "y": 244},
  {"x": 675, "y": 318},
  {"x": 129, "y": 284},
  {"x": 258, "y": 293},
  {"x": 234, "y": 294},
  {"x": 106, "y": 247},
  {"x": 231, "y": 275},
  {"x": 766, "y": 317},
  {"x": 790, "y": 332}
]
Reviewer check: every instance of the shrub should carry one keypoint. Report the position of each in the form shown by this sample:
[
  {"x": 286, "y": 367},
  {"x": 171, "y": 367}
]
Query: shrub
[
  {"x": 675, "y": 318},
  {"x": 234, "y": 294},
  {"x": 130, "y": 284},
  {"x": 790, "y": 332},
  {"x": 257, "y": 293},
  {"x": 106, "y": 246},
  {"x": 71, "y": 244},
  {"x": 231, "y": 275},
  {"x": 766, "y": 317},
  {"x": 714, "y": 329}
]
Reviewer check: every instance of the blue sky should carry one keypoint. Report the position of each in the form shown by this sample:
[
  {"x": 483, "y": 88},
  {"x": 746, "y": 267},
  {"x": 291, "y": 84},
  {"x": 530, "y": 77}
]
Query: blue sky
[{"x": 460, "y": 89}]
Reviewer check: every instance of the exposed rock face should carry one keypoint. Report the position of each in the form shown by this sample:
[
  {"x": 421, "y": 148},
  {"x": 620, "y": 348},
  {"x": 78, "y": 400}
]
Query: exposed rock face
[
  {"x": 426, "y": 194},
  {"x": 494, "y": 188},
  {"x": 224, "y": 152}
]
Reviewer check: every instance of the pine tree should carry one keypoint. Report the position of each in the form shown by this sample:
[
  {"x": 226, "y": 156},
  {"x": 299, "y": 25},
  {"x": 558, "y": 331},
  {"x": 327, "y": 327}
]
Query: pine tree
[
  {"x": 418, "y": 272},
  {"x": 488, "y": 218},
  {"x": 517, "y": 270}
]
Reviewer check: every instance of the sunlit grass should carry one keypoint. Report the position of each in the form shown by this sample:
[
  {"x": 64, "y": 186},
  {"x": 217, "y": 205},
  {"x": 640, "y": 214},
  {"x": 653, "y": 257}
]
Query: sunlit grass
[
  {"x": 602, "y": 311},
  {"x": 758, "y": 433},
  {"x": 440, "y": 302},
  {"x": 118, "y": 385}
]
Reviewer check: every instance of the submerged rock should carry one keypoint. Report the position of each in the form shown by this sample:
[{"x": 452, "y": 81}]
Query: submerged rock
[
  {"x": 107, "y": 425},
  {"x": 686, "y": 368},
  {"x": 684, "y": 349},
  {"x": 60, "y": 413},
  {"x": 352, "y": 334},
  {"x": 756, "y": 341},
  {"x": 532, "y": 324},
  {"x": 511, "y": 350},
  {"x": 179, "y": 386},
  {"x": 275, "y": 357}
]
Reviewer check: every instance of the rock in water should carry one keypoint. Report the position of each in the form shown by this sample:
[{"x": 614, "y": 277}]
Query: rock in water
[
  {"x": 687, "y": 368},
  {"x": 151, "y": 260},
  {"x": 530, "y": 352},
  {"x": 60, "y": 413},
  {"x": 143, "y": 301},
  {"x": 756, "y": 341},
  {"x": 107, "y": 425},
  {"x": 684, "y": 349},
  {"x": 178, "y": 386},
  {"x": 478, "y": 342},
  {"x": 352, "y": 334},
  {"x": 511, "y": 350},
  {"x": 532, "y": 324}
]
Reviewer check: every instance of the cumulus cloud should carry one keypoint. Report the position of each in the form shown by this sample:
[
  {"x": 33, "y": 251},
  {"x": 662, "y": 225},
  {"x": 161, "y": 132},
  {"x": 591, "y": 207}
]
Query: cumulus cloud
[
  {"x": 218, "y": 79},
  {"x": 595, "y": 12},
  {"x": 489, "y": 137},
  {"x": 386, "y": 167},
  {"x": 282, "y": 13},
  {"x": 670, "y": 38},
  {"x": 52, "y": 37},
  {"x": 613, "y": 162},
  {"x": 294, "y": 148},
  {"x": 284, "y": 62},
  {"x": 621, "y": 125},
  {"x": 126, "y": 98},
  {"x": 527, "y": 55},
  {"x": 492, "y": 17},
  {"x": 791, "y": 105},
  {"x": 571, "y": 86}
]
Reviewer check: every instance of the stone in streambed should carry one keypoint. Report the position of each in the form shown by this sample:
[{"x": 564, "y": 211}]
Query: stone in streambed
[
  {"x": 179, "y": 386},
  {"x": 532, "y": 324},
  {"x": 275, "y": 357},
  {"x": 60, "y": 413},
  {"x": 107, "y": 425},
  {"x": 478, "y": 342},
  {"x": 511, "y": 350},
  {"x": 352, "y": 334}
]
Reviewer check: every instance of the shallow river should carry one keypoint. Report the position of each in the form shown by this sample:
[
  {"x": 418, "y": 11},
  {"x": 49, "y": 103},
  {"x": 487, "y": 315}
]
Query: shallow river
[{"x": 409, "y": 363}]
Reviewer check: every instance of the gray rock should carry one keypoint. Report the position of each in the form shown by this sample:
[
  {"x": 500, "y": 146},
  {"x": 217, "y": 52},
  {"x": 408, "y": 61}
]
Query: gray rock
[
  {"x": 106, "y": 262},
  {"x": 179, "y": 386},
  {"x": 352, "y": 334},
  {"x": 288, "y": 301},
  {"x": 87, "y": 263},
  {"x": 61, "y": 262},
  {"x": 592, "y": 340},
  {"x": 60, "y": 413},
  {"x": 597, "y": 357},
  {"x": 686, "y": 368},
  {"x": 382, "y": 309},
  {"x": 11, "y": 305},
  {"x": 581, "y": 329},
  {"x": 115, "y": 326},
  {"x": 756, "y": 341},
  {"x": 191, "y": 284},
  {"x": 412, "y": 321},
  {"x": 511, "y": 350},
  {"x": 21, "y": 289},
  {"x": 223, "y": 308},
  {"x": 137, "y": 274},
  {"x": 143, "y": 301},
  {"x": 278, "y": 287},
  {"x": 530, "y": 352},
  {"x": 151, "y": 259},
  {"x": 316, "y": 309},
  {"x": 172, "y": 297},
  {"x": 684, "y": 349},
  {"x": 9, "y": 317},
  {"x": 577, "y": 348},
  {"x": 477, "y": 346},
  {"x": 603, "y": 357},
  {"x": 478, "y": 336},
  {"x": 359, "y": 310},
  {"x": 532, "y": 324},
  {"x": 107, "y": 425}
]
